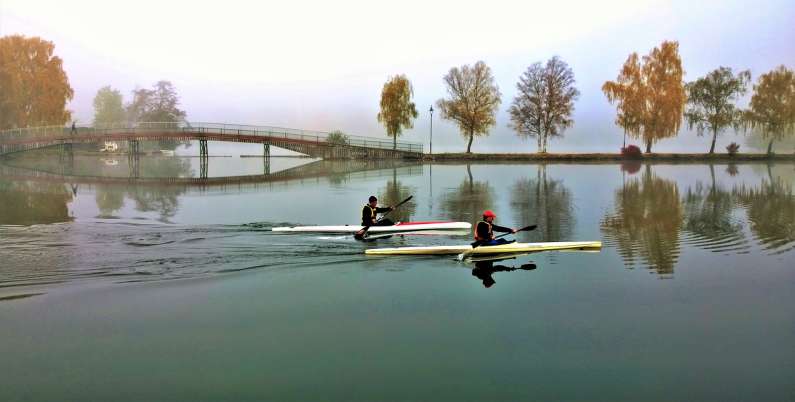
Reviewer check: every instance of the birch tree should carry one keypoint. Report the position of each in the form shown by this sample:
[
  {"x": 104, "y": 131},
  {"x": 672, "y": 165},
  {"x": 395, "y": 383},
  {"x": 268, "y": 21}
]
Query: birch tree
[
  {"x": 650, "y": 95},
  {"x": 710, "y": 103},
  {"x": 397, "y": 109}
]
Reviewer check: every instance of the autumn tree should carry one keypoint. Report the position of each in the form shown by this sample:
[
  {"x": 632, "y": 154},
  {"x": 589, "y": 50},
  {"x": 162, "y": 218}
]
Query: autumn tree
[
  {"x": 650, "y": 94},
  {"x": 473, "y": 99},
  {"x": 108, "y": 108},
  {"x": 710, "y": 103},
  {"x": 772, "y": 108},
  {"x": 397, "y": 109},
  {"x": 158, "y": 104},
  {"x": 545, "y": 102},
  {"x": 34, "y": 88}
]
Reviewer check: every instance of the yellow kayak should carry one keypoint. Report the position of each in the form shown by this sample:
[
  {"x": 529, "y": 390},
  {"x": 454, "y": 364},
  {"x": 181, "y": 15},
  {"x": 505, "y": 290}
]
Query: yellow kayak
[{"x": 490, "y": 250}]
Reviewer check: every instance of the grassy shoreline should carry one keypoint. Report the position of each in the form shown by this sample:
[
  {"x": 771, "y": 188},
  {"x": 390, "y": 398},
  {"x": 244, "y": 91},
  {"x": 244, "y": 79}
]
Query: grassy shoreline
[{"x": 589, "y": 157}]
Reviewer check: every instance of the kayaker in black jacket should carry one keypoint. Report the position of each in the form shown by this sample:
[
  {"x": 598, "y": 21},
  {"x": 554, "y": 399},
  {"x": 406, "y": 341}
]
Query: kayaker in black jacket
[
  {"x": 371, "y": 209},
  {"x": 484, "y": 230}
]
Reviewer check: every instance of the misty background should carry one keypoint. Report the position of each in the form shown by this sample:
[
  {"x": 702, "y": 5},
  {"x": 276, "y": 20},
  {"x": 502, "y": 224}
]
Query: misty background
[{"x": 321, "y": 65}]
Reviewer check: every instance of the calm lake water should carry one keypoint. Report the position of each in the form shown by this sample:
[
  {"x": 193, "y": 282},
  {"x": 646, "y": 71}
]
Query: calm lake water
[{"x": 171, "y": 288}]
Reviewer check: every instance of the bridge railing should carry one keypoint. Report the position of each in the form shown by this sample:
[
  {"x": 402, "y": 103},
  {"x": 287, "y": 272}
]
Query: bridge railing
[{"x": 311, "y": 136}]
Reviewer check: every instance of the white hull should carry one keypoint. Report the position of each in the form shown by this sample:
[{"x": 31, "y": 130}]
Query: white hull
[{"x": 407, "y": 227}]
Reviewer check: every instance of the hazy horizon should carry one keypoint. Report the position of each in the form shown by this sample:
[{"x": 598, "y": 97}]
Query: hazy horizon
[{"x": 322, "y": 66}]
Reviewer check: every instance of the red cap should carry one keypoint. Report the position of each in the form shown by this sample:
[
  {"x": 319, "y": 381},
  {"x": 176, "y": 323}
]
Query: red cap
[{"x": 489, "y": 214}]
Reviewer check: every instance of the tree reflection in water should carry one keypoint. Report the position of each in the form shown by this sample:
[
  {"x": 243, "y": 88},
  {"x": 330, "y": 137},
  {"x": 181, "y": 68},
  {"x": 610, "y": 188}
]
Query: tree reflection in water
[
  {"x": 109, "y": 199},
  {"x": 709, "y": 221},
  {"x": 148, "y": 198},
  {"x": 546, "y": 203},
  {"x": 395, "y": 192},
  {"x": 467, "y": 202},
  {"x": 770, "y": 208},
  {"x": 646, "y": 223},
  {"x": 31, "y": 203}
]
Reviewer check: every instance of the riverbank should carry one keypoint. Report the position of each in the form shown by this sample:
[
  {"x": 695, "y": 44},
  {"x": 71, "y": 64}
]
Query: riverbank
[{"x": 591, "y": 157}]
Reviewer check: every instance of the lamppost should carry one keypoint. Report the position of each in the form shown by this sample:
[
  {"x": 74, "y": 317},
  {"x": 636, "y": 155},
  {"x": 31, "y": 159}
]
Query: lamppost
[{"x": 431, "y": 110}]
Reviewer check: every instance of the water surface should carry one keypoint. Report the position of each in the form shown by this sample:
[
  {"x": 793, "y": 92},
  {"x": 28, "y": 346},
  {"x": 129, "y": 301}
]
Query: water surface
[{"x": 164, "y": 285}]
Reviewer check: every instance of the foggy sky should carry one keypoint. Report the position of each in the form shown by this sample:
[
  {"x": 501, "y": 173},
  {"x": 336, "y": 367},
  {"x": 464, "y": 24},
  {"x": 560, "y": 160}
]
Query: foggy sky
[{"x": 321, "y": 65}]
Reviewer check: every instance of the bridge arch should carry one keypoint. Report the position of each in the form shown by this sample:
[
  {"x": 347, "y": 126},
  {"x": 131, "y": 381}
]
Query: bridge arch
[{"x": 317, "y": 144}]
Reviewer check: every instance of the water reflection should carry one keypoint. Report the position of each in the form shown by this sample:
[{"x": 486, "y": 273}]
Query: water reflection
[
  {"x": 395, "y": 192},
  {"x": 164, "y": 200},
  {"x": 546, "y": 203},
  {"x": 651, "y": 223},
  {"x": 109, "y": 199},
  {"x": 770, "y": 209},
  {"x": 467, "y": 202},
  {"x": 484, "y": 271},
  {"x": 709, "y": 220},
  {"x": 28, "y": 203},
  {"x": 646, "y": 223}
]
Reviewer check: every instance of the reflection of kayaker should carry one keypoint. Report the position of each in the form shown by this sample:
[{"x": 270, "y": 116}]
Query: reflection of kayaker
[
  {"x": 484, "y": 231},
  {"x": 484, "y": 269}
]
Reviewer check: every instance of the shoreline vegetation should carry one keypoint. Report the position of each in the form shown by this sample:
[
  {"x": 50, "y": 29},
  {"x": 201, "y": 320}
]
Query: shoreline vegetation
[
  {"x": 652, "y": 100},
  {"x": 607, "y": 157}
]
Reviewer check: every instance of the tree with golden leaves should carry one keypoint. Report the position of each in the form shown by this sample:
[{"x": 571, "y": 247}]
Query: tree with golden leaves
[
  {"x": 772, "y": 108},
  {"x": 650, "y": 94},
  {"x": 397, "y": 109},
  {"x": 34, "y": 88},
  {"x": 473, "y": 99}
]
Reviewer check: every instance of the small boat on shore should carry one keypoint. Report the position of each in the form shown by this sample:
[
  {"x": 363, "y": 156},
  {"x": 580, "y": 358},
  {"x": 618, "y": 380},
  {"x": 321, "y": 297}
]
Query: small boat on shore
[
  {"x": 398, "y": 228},
  {"x": 510, "y": 248}
]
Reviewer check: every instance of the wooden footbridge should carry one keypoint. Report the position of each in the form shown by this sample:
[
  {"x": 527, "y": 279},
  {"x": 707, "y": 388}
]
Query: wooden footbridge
[{"x": 316, "y": 144}]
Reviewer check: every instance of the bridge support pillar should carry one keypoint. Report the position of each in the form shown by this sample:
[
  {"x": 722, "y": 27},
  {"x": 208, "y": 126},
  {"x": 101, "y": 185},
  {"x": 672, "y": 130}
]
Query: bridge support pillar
[
  {"x": 66, "y": 151},
  {"x": 134, "y": 148},
  {"x": 134, "y": 165},
  {"x": 203, "y": 149},
  {"x": 133, "y": 158},
  {"x": 67, "y": 160},
  {"x": 204, "y": 165}
]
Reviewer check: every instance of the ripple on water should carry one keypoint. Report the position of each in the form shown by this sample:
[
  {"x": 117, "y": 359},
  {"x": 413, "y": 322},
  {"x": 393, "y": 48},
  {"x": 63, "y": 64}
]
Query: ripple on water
[{"x": 135, "y": 252}]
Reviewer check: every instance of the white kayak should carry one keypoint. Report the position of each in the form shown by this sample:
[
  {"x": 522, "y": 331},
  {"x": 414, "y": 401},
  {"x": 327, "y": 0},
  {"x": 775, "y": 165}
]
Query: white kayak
[
  {"x": 400, "y": 227},
  {"x": 511, "y": 248}
]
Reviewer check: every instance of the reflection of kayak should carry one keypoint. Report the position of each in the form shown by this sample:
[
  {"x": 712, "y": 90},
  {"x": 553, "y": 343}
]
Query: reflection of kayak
[
  {"x": 401, "y": 227},
  {"x": 511, "y": 248}
]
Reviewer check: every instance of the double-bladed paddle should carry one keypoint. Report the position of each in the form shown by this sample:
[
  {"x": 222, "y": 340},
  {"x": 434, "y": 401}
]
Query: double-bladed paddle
[
  {"x": 363, "y": 232},
  {"x": 478, "y": 243}
]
